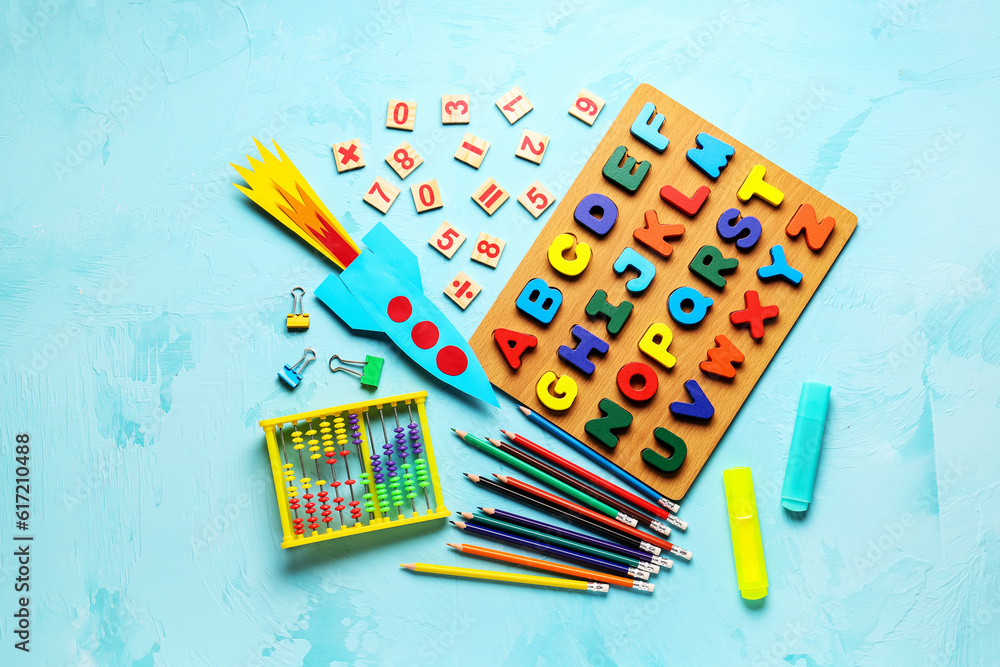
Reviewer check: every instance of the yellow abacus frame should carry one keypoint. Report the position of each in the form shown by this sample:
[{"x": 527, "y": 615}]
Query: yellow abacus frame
[{"x": 379, "y": 522}]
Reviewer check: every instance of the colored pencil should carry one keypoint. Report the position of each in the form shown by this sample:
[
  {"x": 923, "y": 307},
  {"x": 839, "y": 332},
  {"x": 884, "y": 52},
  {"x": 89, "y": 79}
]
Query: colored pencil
[
  {"x": 558, "y": 552},
  {"x": 590, "y": 514},
  {"x": 545, "y": 478},
  {"x": 607, "y": 464},
  {"x": 580, "y": 547},
  {"x": 598, "y": 542},
  {"x": 508, "y": 577},
  {"x": 549, "y": 566},
  {"x": 562, "y": 513},
  {"x": 597, "y": 480},
  {"x": 582, "y": 487}
]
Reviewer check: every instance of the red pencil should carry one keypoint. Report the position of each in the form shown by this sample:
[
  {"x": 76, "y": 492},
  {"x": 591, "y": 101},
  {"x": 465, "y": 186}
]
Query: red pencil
[
  {"x": 597, "y": 480},
  {"x": 590, "y": 514}
]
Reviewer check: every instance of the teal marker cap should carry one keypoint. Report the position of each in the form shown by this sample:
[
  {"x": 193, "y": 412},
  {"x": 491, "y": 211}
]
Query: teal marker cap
[{"x": 807, "y": 438}]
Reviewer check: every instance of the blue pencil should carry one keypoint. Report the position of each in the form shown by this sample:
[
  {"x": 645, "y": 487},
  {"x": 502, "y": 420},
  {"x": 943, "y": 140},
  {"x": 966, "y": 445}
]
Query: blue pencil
[
  {"x": 610, "y": 466},
  {"x": 558, "y": 552}
]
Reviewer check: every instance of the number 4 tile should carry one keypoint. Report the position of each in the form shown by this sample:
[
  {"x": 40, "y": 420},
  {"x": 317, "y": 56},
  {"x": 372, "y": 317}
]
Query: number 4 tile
[
  {"x": 381, "y": 194},
  {"x": 455, "y": 109},
  {"x": 488, "y": 250},
  {"x": 490, "y": 196},
  {"x": 472, "y": 151},
  {"x": 514, "y": 105},
  {"x": 347, "y": 155},
  {"x": 446, "y": 240},
  {"x": 404, "y": 159},
  {"x": 426, "y": 196},
  {"x": 586, "y": 106},
  {"x": 536, "y": 199},
  {"x": 462, "y": 290},
  {"x": 532, "y": 146}
]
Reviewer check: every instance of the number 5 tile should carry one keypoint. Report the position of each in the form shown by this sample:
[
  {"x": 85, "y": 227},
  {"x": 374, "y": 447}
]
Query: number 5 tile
[
  {"x": 536, "y": 199},
  {"x": 446, "y": 240}
]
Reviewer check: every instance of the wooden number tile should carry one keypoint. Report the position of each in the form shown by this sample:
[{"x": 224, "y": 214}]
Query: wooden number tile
[
  {"x": 536, "y": 199},
  {"x": 454, "y": 109},
  {"x": 462, "y": 290},
  {"x": 404, "y": 159},
  {"x": 446, "y": 240},
  {"x": 488, "y": 250},
  {"x": 347, "y": 155},
  {"x": 514, "y": 104},
  {"x": 586, "y": 106},
  {"x": 490, "y": 196},
  {"x": 426, "y": 196},
  {"x": 531, "y": 146},
  {"x": 401, "y": 115},
  {"x": 381, "y": 194},
  {"x": 472, "y": 150}
]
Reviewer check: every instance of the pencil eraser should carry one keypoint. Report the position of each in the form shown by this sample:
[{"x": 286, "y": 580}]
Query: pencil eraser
[
  {"x": 744, "y": 525},
  {"x": 807, "y": 438}
]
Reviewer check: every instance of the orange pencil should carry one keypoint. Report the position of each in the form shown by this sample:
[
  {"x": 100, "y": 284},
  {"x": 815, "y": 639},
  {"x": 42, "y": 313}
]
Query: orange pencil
[{"x": 548, "y": 566}]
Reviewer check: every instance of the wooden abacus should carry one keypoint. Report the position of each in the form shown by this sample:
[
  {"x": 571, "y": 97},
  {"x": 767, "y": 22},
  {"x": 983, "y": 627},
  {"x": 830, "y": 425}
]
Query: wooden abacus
[{"x": 402, "y": 480}]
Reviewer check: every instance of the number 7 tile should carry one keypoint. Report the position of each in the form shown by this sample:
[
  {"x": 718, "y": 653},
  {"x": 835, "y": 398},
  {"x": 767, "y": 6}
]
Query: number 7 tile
[
  {"x": 514, "y": 105},
  {"x": 381, "y": 194}
]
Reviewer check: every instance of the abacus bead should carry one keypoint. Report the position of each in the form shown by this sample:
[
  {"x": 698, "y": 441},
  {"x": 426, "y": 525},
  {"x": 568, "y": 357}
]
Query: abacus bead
[
  {"x": 423, "y": 484},
  {"x": 411, "y": 496},
  {"x": 354, "y": 503}
]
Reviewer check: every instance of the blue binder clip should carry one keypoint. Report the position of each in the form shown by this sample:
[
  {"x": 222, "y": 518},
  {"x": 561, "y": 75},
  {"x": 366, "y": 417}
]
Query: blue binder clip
[{"x": 292, "y": 375}]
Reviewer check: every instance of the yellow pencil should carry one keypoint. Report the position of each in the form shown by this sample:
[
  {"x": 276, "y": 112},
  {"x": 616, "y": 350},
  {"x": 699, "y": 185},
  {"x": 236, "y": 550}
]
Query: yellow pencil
[{"x": 509, "y": 577}]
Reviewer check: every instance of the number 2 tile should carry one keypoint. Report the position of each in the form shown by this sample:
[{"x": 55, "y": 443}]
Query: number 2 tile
[
  {"x": 532, "y": 146},
  {"x": 401, "y": 115},
  {"x": 536, "y": 199},
  {"x": 488, "y": 250},
  {"x": 454, "y": 109},
  {"x": 446, "y": 240},
  {"x": 426, "y": 196},
  {"x": 514, "y": 105},
  {"x": 490, "y": 196},
  {"x": 462, "y": 290},
  {"x": 404, "y": 159},
  {"x": 381, "y": 194},
  {"x": 586, "y": 106}
]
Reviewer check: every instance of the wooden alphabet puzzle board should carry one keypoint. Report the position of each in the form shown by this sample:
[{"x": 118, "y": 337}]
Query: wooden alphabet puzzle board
[{"x": 664, "y": 433}]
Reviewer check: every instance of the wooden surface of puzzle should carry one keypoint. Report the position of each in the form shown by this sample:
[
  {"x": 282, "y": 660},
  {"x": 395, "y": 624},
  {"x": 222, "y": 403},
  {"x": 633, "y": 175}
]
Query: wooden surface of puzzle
[{"x": 660, "y": 289}]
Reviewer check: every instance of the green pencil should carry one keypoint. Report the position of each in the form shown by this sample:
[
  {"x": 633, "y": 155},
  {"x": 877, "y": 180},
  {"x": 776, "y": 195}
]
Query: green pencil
[
  {"x": 597, "y": 505},
  {"x": 539, "y": 536}
]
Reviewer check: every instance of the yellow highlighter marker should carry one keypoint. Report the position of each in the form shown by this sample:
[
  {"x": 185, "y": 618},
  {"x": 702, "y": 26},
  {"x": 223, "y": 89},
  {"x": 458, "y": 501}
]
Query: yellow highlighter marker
[{"x": 748, "y": 550}]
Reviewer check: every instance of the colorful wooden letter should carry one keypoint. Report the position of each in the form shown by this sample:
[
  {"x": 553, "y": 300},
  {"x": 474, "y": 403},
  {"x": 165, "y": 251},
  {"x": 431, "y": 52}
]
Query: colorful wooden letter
[
  {"x": 699, "y": 408},
  {"x": 709, "y": 264},
  {"x": 744, "y": 231},
  {"x": 565, "y": 389},
  {"x": 488, "y": 250},
  {"x": 722, "y": 359},
  {"x": 654, "y": 235},
  {"x": 536, "y": 199},
  {"x": 381, "y": 194},
  {"x": 617, "y": 315},
  {"x": 455, "y": 109},
  {"x": 462, "y": 290},
  {"x": 513, "y": 344},
  {"x": 586, "y": 106},
  {"x": 646, "y": 128},
  {"x": 687, "y": 205},
  {"x": 637, "y": 382},
  {"x": 579, "y": 356},
  {"x": 532, "y": 146},
  {"x": 755, "y": 185},
  {"x": 426, "y": 196},
  {"x": 490, "y": 196},
  {"x": 404, "y": 159},
  {"x": 817, "y": 231},
  {"x": 754, "y": 315},
  {"x": 630, "y": 259},
  {"x": 557, "y": 255},
  {"x": 624, "y": 171},
  {"x": 688, "y": 306},
  {"x": 472, "y": 151},
  {"x": 672, "y": 442},
  {"x": 539, "y": 301},
  {"x": 513, "y": 105},
  {"x": 711, "y": 156},
  {"x": 401, "y": 116},
  {"x": 614, "y": 419},
  {"x": 654, "y": 344},
  {"x": 347, "y": 155},
  {"x": 446, "y": 240},
  {"x": 597, "y": 213},
  {"x": 779, "y": 268}
]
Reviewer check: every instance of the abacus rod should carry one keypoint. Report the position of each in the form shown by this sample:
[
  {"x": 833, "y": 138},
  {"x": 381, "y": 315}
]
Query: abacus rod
[
  {"x": 333, "y": 473},
  {"x": 284, "y": 456},
  {"x": 387, "y": 450},
  {"x": 409, "y": 415},
  {"x": 399, "y": 431}
]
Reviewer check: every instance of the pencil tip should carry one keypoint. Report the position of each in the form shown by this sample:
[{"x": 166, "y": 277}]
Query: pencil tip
[
  {"x": 467, "y": 515},
  {"x": 408, "y": 566},
  {"x": 474, "y": 478},
  {"x": 494, "y": 442},
  {"x": 523, "y": 409},
  {"x": 454, "y": 546},
  {"x": 460, "y": 524},
  {"x": 460, "y": 434},
  {"x": 507, "y": 433}
]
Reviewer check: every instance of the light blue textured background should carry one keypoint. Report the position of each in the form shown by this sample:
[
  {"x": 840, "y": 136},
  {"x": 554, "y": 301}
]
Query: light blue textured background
[{"x": 143, "y": 301}]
